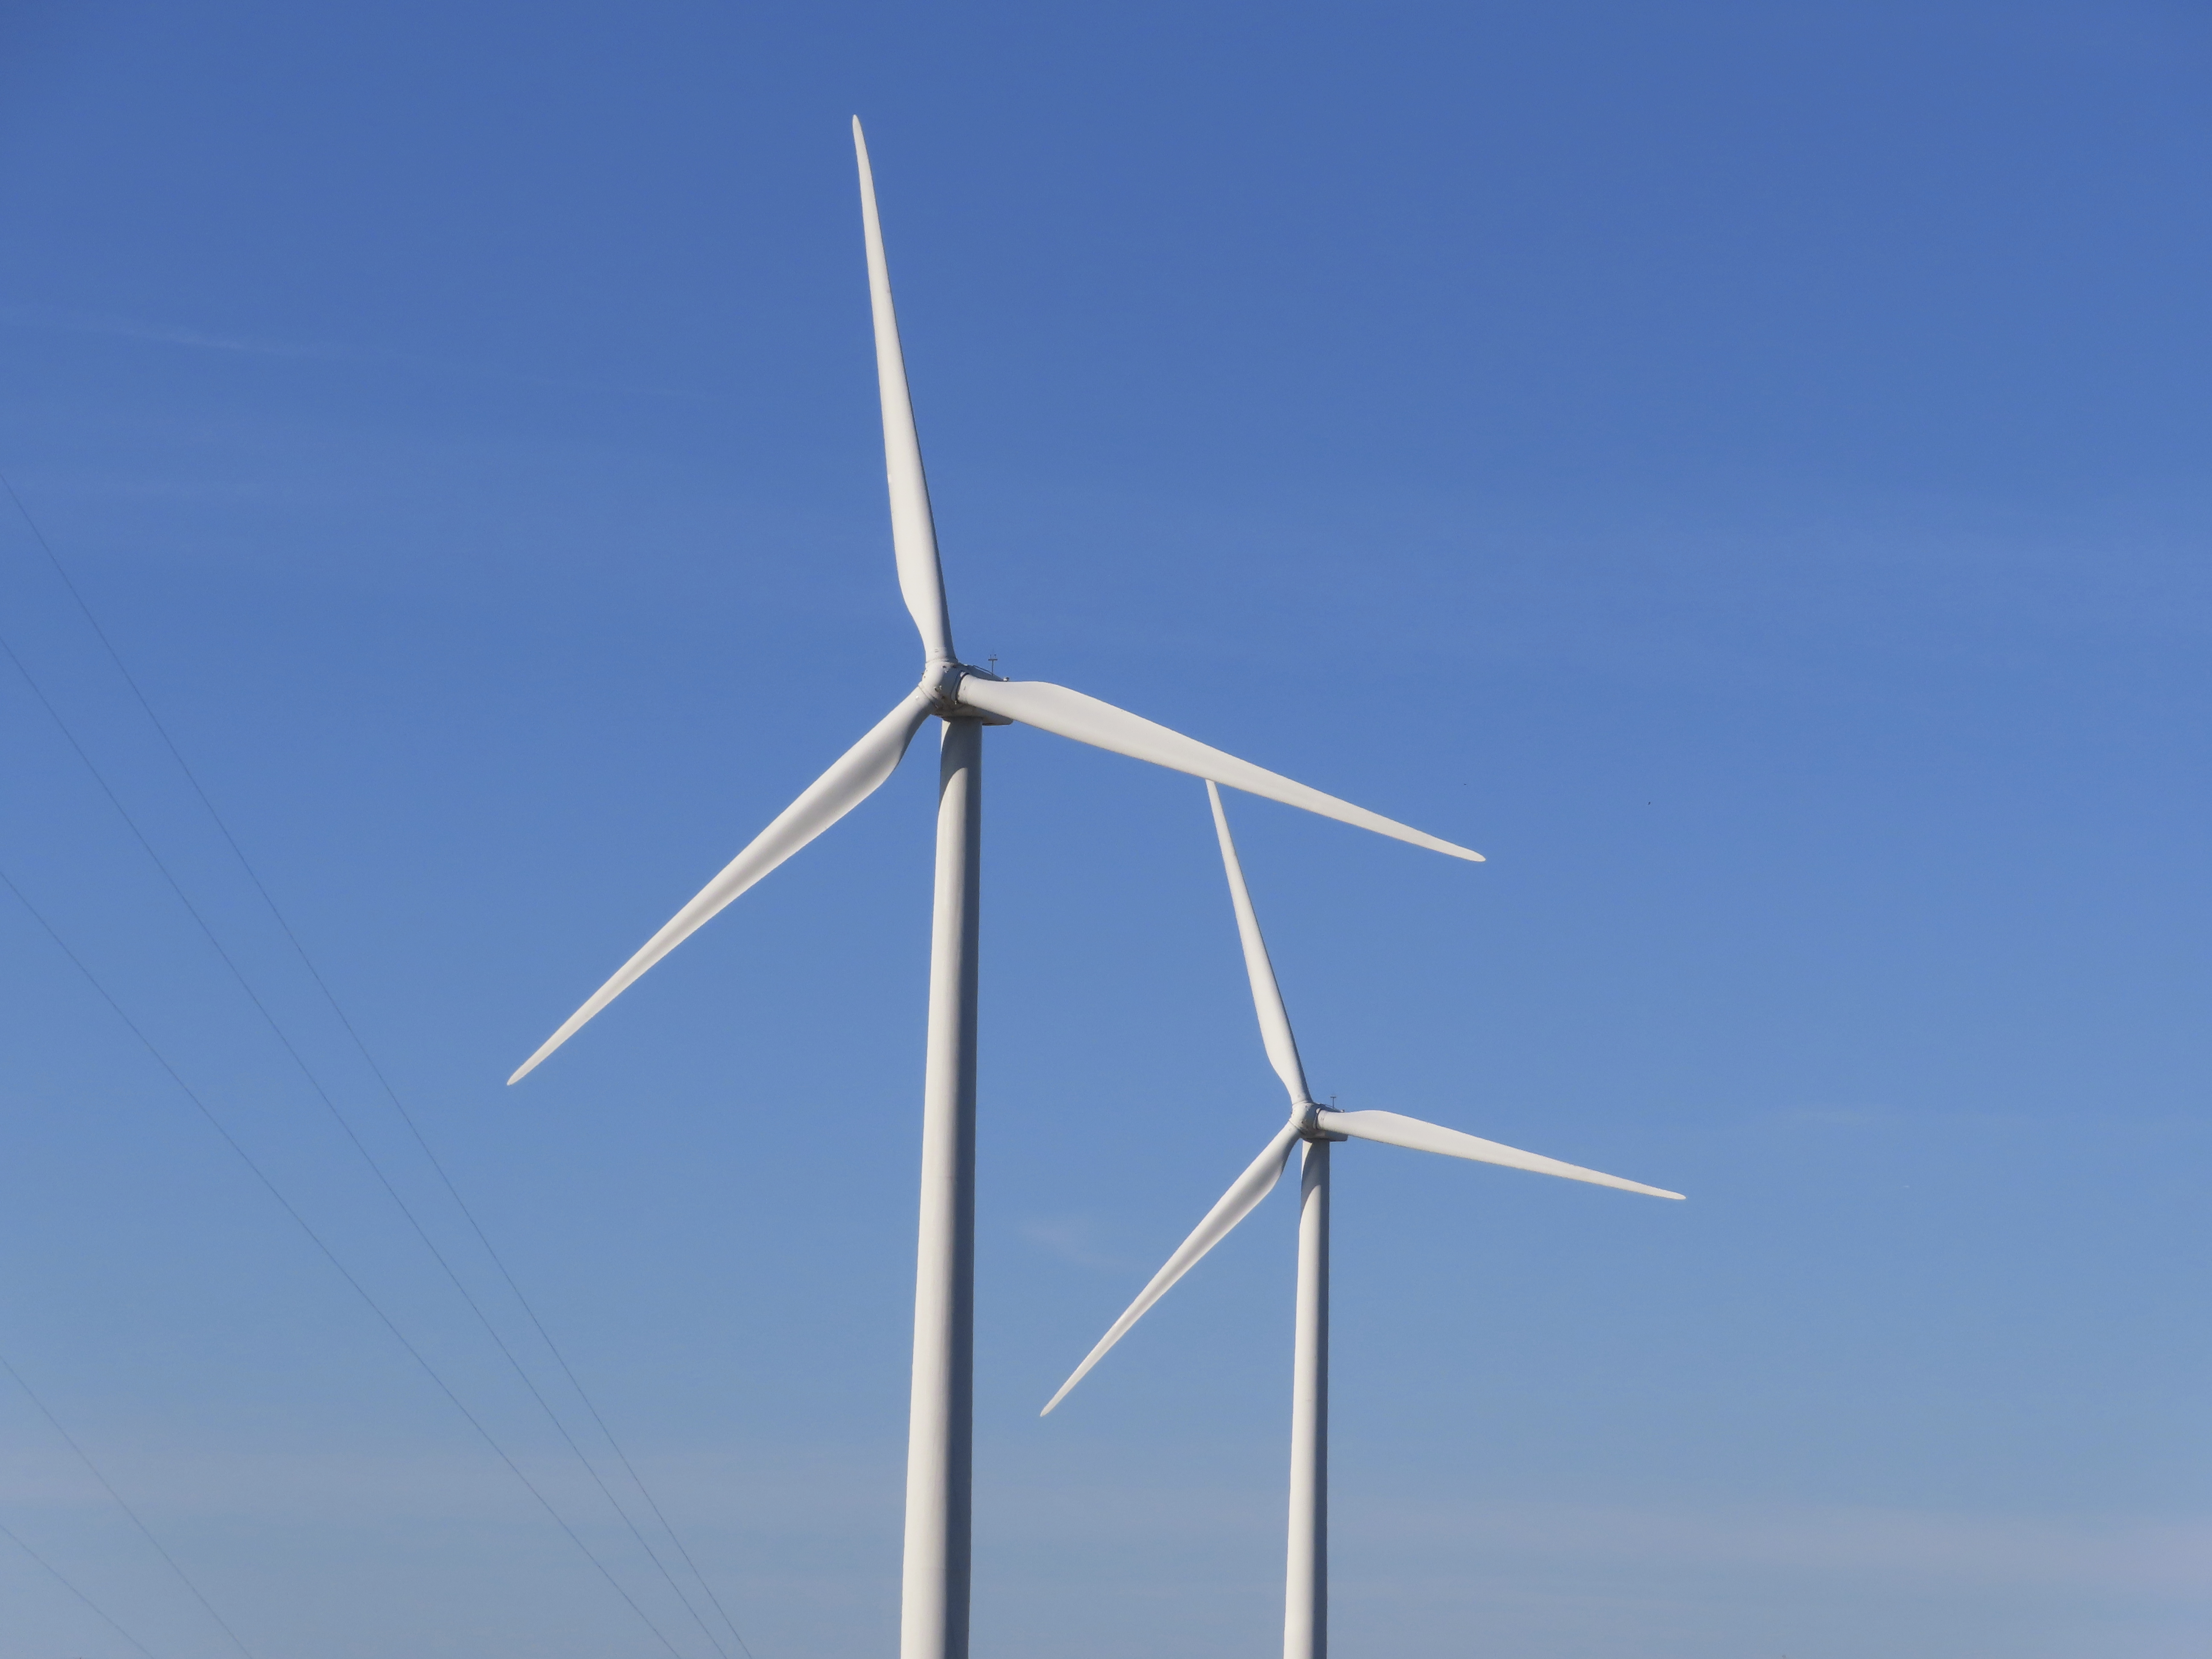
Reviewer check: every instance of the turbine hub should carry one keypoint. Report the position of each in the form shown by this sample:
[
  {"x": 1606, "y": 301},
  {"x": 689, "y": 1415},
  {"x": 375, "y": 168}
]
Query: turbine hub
[
  {"x": 941, "y": 680},
  {"x": 1310, "y": 1126}
]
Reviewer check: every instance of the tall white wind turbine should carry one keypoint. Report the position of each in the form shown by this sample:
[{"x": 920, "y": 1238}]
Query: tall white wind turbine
[
  {"x": 1305, "y": 1594},
  {"x": 934, "y": 1609}
]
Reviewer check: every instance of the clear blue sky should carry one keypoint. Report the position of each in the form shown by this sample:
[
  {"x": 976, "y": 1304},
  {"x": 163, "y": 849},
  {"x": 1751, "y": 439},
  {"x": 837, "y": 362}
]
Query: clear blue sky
[{"x": 1741, "y": 467}]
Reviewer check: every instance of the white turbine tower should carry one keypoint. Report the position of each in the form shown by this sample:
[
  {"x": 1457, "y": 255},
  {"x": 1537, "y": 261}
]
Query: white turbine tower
[
  {"x": 934, "y": 1609},
  {"x": 1305, "y": 1596}
]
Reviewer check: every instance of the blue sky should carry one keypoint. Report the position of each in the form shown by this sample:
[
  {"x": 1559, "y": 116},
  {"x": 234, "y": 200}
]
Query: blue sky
[{"x": 1742, "y": 468}]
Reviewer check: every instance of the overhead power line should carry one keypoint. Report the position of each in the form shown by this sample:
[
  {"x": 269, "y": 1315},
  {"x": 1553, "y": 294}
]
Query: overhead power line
[
  {"x": 145, "y": 1531},
  {"x": 331, "y": 1255},
  {"x": 391, "y": 1094},
  {"x": 344, "y": 1124},
  {"x": 9, "y": 1534}
]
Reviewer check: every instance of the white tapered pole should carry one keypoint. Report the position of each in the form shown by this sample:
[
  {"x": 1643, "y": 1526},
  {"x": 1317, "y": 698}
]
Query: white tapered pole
[
  {"x": 933, "y": 1602},
  {"x": 1305, "y": 1596}
]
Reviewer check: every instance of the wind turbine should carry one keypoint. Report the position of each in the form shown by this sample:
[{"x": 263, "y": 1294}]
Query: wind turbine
[
  {"x": 933, "y": 1605},
  {"x": 1305, "y": 1596}
]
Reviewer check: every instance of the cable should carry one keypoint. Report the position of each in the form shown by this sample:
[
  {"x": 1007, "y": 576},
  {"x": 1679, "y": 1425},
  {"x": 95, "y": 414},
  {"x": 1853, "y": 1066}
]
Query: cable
[
  {"x": 331, "y": 1256},
  {"x": 391, "y": 1094},
  {"x": 145, "y": 1531},
  {"x": 6, "y": 1533},
  {"x": 346, "y": 1125}
]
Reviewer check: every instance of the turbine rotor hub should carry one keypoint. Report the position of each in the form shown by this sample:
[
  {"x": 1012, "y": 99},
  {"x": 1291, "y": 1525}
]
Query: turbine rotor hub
[
  {"x": 1310, "y": 1126},
  {"x": 941, "y": 680}
]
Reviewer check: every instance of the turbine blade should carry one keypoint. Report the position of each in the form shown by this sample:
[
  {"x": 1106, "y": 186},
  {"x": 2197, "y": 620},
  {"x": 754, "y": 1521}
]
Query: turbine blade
[
  {"x": 914, "y": 532},
  {"x": 1393, "y": 1130},
  {"x": 857, "y": 774},
  {"x": 1267, "y": 995},
  {"x": 1071, "y": 714},
  {"x": 1258, "y": 1180}
]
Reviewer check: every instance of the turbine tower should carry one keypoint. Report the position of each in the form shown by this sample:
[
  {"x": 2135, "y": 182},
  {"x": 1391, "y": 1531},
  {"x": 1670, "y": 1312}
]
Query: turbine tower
[
  {"x": 1314, "y": 1129},
  {"x": 933, "y": 1605}
]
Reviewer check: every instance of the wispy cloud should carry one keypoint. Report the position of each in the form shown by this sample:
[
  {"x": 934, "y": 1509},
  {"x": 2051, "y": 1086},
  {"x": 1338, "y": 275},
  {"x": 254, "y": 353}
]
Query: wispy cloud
[
  {"x": 1846, "y": 1116},
  {"x": 1890, "y": 1117},
  {"x": 1070, "y": 1238},
  {"x": 125, "y": 328},
  {"x": 1406, "y": 1539},
  {"x": 2117, "y": 1554}
]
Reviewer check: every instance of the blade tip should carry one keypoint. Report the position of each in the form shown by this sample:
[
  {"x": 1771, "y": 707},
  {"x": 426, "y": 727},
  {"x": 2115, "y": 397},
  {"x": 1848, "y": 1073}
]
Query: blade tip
[
  {"x": 538, "y": 1058},
  {"x": 1450, "y": 849}
]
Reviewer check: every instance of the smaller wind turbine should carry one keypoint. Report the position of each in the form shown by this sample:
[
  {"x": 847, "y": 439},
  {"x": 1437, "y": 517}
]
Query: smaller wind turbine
[{"x": 1305, "y": 1599}]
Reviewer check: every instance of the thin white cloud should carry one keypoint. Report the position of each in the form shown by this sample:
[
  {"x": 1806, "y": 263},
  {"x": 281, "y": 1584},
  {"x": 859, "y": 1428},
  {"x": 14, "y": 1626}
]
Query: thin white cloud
[
  {"x": 2126, "y": 1554},
  {"x": 1070, "y": 1238},
  {"x": 124, "y": 328},
  {"x": 1867, "y": 1117}
]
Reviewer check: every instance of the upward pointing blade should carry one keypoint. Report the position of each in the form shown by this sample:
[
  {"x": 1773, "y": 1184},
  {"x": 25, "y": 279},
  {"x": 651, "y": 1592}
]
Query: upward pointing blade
[
  {"x": 1267, "y": 995},
  {"x": 1393, "y": 1130},
  {"x": 914, "y": 532},
  {"x": 1071, "y": 714},
  {"x": 860, "y": 771},
  {"x": 1258, "y": 1180}
]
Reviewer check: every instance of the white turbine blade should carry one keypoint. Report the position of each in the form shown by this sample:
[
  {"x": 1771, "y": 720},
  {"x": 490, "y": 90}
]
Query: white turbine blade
[
  {"x": 1395, "y": 1131},
  {"x": 914, "y": 532},
  {"x": 857, "y": 774},
  {"x": 1071, "y": 714},
  {"x": 1267, "y": 995},
  {"x": 1239, "y": 1201}
]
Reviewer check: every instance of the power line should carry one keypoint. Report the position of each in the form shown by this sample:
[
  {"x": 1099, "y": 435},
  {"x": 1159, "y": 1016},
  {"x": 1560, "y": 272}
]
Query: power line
[
  {"x": 391, "y": 1094},
  {"x": 145, "y": 1531},
  {"x": 331, "y": 1256},
  {"x": 8, "y": 1533},
  {"x": 345, "y": 1124}
]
